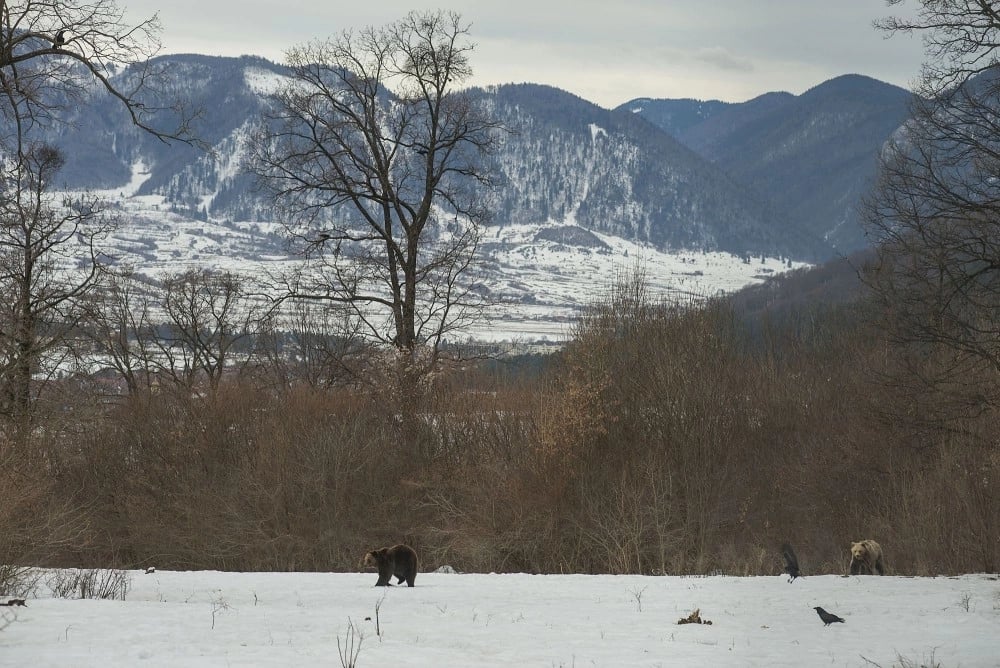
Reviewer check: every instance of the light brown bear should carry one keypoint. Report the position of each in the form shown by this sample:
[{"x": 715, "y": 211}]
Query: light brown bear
[
  {"x": 399, "y": 561},
  {"x": 866, "y": 557}
]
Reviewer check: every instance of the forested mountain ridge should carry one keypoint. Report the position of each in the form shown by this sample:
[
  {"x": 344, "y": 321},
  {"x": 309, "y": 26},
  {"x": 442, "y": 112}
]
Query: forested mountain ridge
[
  {"x": 812, "y": 157},
  {"x": 612, "y": 172}
]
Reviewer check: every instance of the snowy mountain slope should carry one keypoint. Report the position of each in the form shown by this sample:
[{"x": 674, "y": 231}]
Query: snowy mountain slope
[
  {"x": 570, "y": 161},
  {"x": 545, "y": 284}
]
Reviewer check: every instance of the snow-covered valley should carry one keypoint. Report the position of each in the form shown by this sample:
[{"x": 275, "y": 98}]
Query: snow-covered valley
[{"x": 541, "y": 279}]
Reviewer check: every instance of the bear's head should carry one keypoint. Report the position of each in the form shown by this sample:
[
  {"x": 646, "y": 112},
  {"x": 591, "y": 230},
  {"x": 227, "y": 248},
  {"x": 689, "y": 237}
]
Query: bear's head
[
  {"x": 859, "y": 550},
  {"x": 376, "y": 557}
]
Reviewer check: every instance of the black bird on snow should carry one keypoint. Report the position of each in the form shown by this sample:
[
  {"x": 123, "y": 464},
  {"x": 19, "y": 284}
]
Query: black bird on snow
[
  {"x": 791, "y": 563},
  {"x": 60, "y": 39},
  {"x": 827, "y": 617}
]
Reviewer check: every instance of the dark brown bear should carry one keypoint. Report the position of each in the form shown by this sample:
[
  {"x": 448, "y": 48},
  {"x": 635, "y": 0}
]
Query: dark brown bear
[{"x": 398, "y": 560}]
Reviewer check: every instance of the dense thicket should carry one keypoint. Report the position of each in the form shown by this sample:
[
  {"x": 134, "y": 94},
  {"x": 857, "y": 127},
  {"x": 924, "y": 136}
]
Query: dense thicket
[{"x": 678, "y": 439}]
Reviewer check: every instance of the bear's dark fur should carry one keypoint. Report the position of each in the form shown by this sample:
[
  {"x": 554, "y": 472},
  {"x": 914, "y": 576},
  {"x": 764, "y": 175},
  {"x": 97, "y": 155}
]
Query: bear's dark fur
[
  {"x": 866, "y": 557},
  {"x": 399, "y": 561}
]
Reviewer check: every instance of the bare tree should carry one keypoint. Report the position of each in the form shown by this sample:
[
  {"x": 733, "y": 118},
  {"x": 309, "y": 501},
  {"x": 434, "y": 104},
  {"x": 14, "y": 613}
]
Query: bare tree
[
  {"x": 376, "y": 157},
  {"x": 53, "y": 51},
  {"x": 317, "y": 344},
  {"x": 209, "y": 313},
  {"x": 959, "y": 38},
  {"x": 184, "y": 331},
  {"x": 933, "y": 215},
  {"x": 121, "y": 328},
  {"x": 48, "y": 261}
]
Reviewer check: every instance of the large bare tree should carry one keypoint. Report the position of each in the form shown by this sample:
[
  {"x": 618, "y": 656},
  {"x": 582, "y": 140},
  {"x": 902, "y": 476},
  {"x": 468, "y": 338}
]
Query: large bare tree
[
  {"x": 934, "y": 215},
  {"x": 375, "y": 154},
  {"x": 48, "y": 260}
]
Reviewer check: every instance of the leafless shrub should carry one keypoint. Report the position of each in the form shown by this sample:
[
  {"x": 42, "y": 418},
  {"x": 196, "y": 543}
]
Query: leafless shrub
[
  {"x": 904, "y": 662},
  {"x": 664, "y": 439},
  {"x": 89, "y": 583},
  {"x": 39, "y": 519},
  {"x": 378, "y": 623},
  {"x": 637, "y": 595},
  {"x": 351, "y": 647},
  {"x": 219, "y": 604},
  {"x": 19, "y": 581}
]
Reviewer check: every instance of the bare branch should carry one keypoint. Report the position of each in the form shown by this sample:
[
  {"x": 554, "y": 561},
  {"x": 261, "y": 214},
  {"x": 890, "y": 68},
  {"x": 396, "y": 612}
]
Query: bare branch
[
  {"x": 53, "y": 52},
  {"x": 932, "y": 217}
]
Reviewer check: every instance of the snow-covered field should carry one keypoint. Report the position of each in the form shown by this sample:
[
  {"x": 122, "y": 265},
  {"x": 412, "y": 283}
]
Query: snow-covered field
[{"x": 297, "y": 619}]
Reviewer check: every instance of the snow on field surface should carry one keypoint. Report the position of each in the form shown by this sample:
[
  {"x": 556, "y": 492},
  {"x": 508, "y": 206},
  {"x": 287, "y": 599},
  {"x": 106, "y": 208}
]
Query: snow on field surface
[{"x": 210, "y": 618}]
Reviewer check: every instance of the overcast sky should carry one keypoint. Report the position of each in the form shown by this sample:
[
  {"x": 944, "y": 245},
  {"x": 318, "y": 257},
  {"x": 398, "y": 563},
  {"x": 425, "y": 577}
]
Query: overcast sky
[{"x": 607, "y": 51}]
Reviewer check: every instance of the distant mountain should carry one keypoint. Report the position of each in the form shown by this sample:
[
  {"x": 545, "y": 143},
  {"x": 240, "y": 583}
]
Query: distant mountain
[
  {"x": 102, "y": 145},
  {"x": 676, "y": 116},
  {"x": 570, "y": 161},
  {"x": 712, "y": 137},
  {"x": 811, "y": 156},
  {"x": 567, "y": 162},
  {"x": 772, "y": 176}
]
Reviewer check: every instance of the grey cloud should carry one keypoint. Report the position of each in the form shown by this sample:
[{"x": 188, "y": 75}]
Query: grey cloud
[{"x": 721, "y": 58}]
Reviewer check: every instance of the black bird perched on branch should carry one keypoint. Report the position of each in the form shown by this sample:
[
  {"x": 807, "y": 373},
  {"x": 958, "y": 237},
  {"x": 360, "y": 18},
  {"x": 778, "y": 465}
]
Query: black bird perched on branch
[
  {"x": 60, "y": 38},
  {"x": 827, "y": 617},
  {"x": 791, "y": 563}
]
